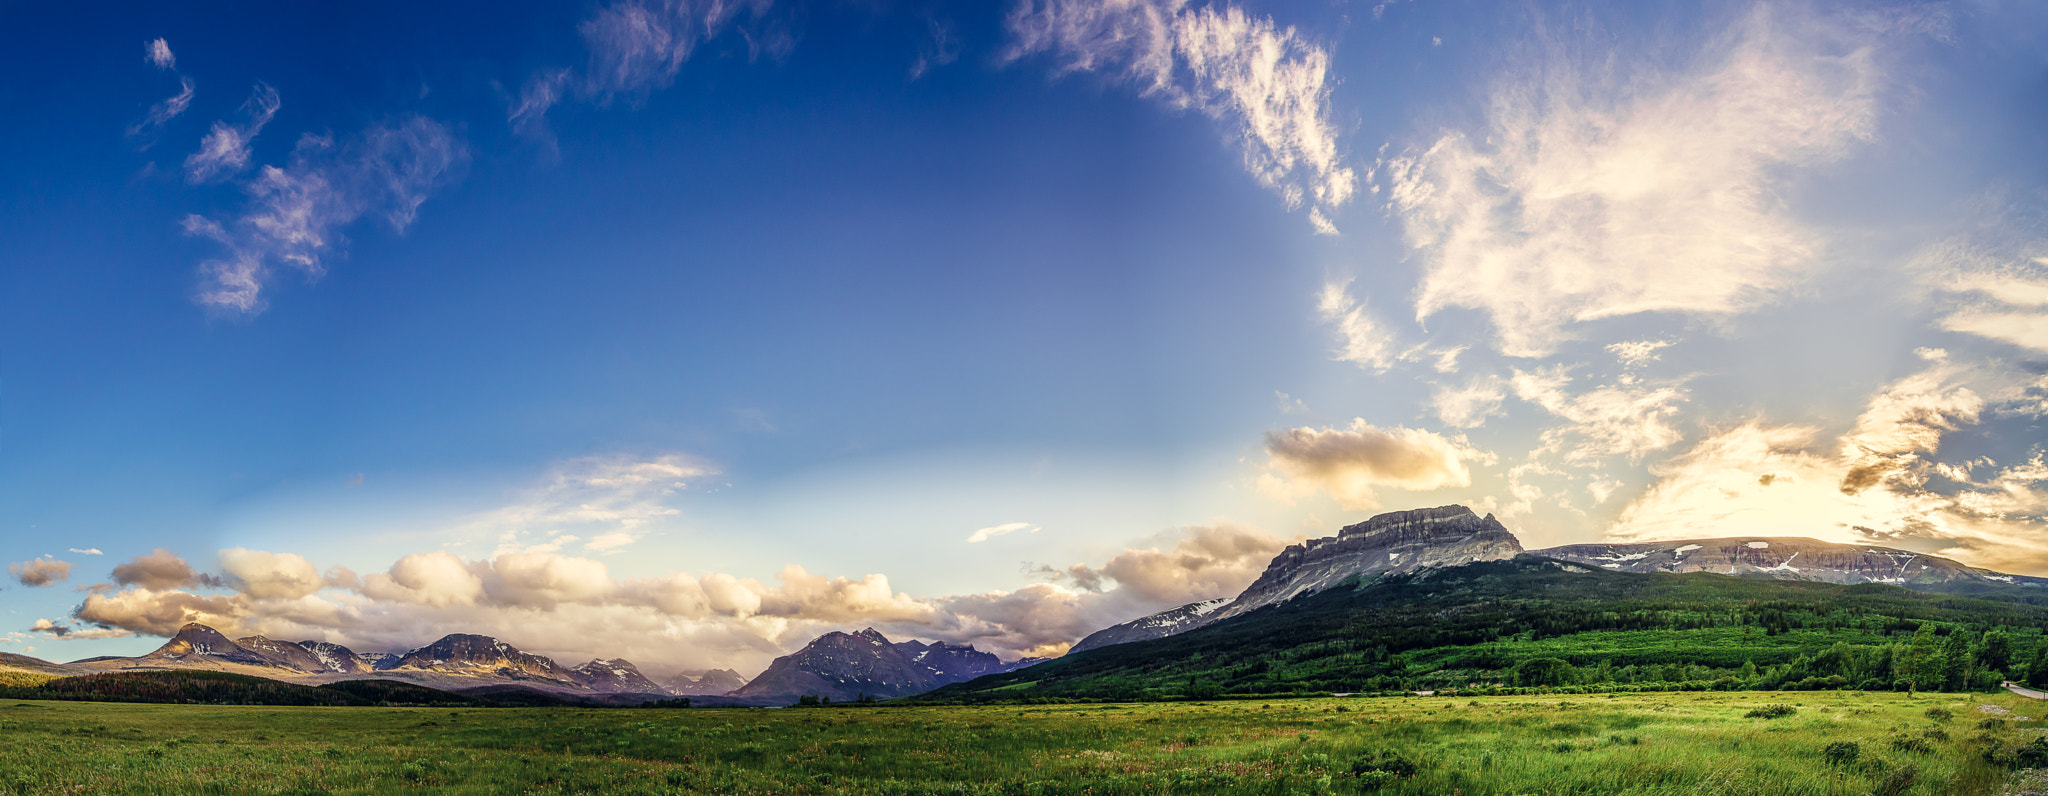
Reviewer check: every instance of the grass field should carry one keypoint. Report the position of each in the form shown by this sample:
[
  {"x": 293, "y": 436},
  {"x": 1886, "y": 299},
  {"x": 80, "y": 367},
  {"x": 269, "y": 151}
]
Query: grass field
[{"x": 1668, "y": 743}]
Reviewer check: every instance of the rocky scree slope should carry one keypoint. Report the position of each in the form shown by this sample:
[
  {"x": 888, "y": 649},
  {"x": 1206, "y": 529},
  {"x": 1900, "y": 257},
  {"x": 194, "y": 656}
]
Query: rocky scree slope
[
  {"x": 1394, "y": 543},
  {"x": 1145, "y": 628}
]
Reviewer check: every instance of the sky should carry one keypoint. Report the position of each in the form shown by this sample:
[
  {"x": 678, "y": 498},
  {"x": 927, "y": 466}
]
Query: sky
[{"x": 686, "y": 331}]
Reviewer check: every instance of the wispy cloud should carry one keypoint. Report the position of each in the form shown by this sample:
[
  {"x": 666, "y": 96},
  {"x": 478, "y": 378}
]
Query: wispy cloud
[
  {"x": 994, "y": 531},
  {"x": 163, "y": 112},
  {"x": 295, "y": 213},
  {"x": 90, "y": 551},
  {"x": 941, "y": 48},
  {"x": 1599, "y": 190},
  {"x": 1270, "y": 83},
  {"x": 225, "y": 149},
  {"x": 157, "y": 53},
  {"x": 1363, "y": 339}
]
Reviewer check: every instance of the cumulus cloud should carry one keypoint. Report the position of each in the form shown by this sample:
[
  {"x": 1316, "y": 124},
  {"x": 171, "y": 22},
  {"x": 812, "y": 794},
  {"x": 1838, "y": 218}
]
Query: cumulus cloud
[
  {"x": 40, "y": 572},
  {"x": 1270, "y": 83},
  {"x": 1364, "y": 340},
  {"x": 994, "y": 531},
  {"x": 266, "y": 575},
  {"x": 225, "y": 149},
  {"x": 1869, "y": 485},
  {"x": 161, "y": 569},
  {"x": 295, "y": 213},
  {"x": 1599, "y": 190},
  {"x": 156, "y": 612},
  {"x": 1348, "y": 463},
  {"x": 158, "y": 54}
]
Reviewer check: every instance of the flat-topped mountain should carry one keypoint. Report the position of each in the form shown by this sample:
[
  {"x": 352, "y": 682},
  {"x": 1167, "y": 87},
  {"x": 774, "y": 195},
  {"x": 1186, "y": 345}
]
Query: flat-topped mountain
[
  {"x": 844, "y": 666},
  {"x": 615, "y": 676},
  {"x": 1392, "y": 543},
  {"x": 1791, "y": 559},
  {"x": 1159, "y": 625},
  {"x": 717, "y": 682}
]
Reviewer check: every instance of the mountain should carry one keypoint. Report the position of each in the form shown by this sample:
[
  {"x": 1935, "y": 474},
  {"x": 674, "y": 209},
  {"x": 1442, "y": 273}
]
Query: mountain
[
  {"x": 197, "y": 643},
  {"x": 615, "y": 676},
  {"x": 283, "y": 653},
  {"x": 22, "y": 663},
  {"x": 1792, "y": 559},
  {"x": 378, "y": 661},
  {"x": 1393, "y": 543},
  {"x": 717, "y": 682},
  {"x": 1472, "y": 625},
  {"x": 473, "y": 655},
  {"x": 337, "y": 658},
  {"x": 843, "y": 666},
  {"x": 1159, "y": 625}
]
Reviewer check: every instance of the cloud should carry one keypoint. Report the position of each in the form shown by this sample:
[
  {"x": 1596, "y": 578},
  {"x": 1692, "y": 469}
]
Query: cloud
[
  {"x": 2007, "y": 303},
  {"x": 295, "y": 214},
  {"x": 267, "y": 575},
  {"x": 1602, "y": 189},
  {"x": 225, "y": 149},
  {"x": 994, "y": 531},
  {"x": 438, "y": 579},
  {"x": 158, "y": 54},
  {"x": 90, "y": 551},
  {"x": 637, "y": 47},
  {"x": 940, "y": 49},
  {"x": 1627, "y": 418},
  {"x": 1366, "y": 342},
  {"x": 1637, "y": 353},
  {"x": 40, "y": 572},
  {"x": 158, "y": 612},
  {"x": 161, "y": 569},
  {"x": 1469, "y": 406},
  {"x": 163, "y": 112},
  {"x": 1872, "y": 485},
  {"x": 60, "y": 630},
  {"x": 1270, "y": 83},
  {"x": 606, "y": 502},
  {"x": 1206, "y": 561},
  {"x": 1348, "y": 463}
]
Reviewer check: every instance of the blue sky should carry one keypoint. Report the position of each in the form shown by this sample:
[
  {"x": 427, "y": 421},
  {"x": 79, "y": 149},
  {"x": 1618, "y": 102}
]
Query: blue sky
[{"x": 685, "y": 331}]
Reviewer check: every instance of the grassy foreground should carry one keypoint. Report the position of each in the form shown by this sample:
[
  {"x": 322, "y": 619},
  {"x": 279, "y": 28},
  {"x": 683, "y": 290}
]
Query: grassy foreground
[{"x": 1664, "y": 743}]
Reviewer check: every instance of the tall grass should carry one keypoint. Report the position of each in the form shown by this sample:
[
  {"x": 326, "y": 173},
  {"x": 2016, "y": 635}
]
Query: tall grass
[{"x": 1653, "y": 744}]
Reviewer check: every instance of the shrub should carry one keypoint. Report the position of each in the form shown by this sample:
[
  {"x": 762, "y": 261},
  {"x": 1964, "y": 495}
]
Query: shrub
[
  {"x": 1898, "y": 780},
  {"x": 2034, "y": 754},
  {"x": 1384, "y": 762},
  {"x": 1771, "y": 712},
  {"x": 1939, "y": 713},
  {"x": 1908, "y": 744},
  {"x": 1842, "y": 753}
]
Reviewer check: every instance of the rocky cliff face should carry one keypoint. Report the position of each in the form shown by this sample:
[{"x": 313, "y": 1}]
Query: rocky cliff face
[
  {"x": 462, "y": 653},
  {"x": 282, "y": 653},
  {"x": 615, "y": 676},
  {"x": 1787, "y": 558},
  {"x": 338, "y": 658},
  {"x": 1159, "y": 625},
  {"x": 196, "y": 643},
  {"x": 717, "y": 682},
  {"x": 1397, "y": 542},
  {"x": 845, "y": 665}
]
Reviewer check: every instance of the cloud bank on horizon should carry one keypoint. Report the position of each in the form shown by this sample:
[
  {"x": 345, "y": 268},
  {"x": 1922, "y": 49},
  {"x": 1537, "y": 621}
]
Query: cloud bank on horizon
[{"x": 1761, "y": 269}]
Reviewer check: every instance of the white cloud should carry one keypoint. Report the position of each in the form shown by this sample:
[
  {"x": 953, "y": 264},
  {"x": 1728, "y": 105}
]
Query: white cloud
[
  {"x": 605, "y": 502},
  {"x": 1348, "y": 463},
  {"x": 1637, "y": 353},
  {"x": 1661, "y": 195},
  {"x": 90, "y": 551},
  {"x": 158, "y": 54},
  {"x": 225, "y": 149},
  {"x": 163, "y": 112},
  {"x": 1627, "y": 418},
  {"x": 1469, "y": 406},
  {"x": 1272, "y": 84},
  {"x": 1366, "y": 342},
  {"x": 994, "y": 531},
  {"x": 266, "y": 575},
  {"x": 2010, "y": 304},
  {"x": 295, "y": 213}
]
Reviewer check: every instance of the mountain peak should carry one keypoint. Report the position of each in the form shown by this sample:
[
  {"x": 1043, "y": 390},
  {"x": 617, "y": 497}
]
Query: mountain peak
[
  {"x": 1394, "y": 542},
  {"x": 873, "y": 635}
]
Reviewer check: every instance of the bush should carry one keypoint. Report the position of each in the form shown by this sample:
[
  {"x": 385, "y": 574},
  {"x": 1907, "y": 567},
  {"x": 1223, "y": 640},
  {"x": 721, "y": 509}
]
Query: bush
[
  {"x": 1916, "y": 745},
  {"x": 1842, "y": 753},
  {"x": 2034, "y": 754},
  {"x": 1382, "y": 762},
  {"x": 1939, "y": 713},
  {"x": 1771, "y": 712},
  {"x": 1898, "y": 781}
]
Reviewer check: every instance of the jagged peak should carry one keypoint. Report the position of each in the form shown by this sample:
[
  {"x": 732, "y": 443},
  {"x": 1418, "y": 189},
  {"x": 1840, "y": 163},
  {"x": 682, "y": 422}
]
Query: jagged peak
[{"x": 872, "y": 634}]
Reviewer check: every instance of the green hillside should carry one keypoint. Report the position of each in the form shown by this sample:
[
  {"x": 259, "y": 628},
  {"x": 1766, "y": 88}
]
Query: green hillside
[
  {"x": 1536, "y": 622},
  {"x": 221, "y": 688}
]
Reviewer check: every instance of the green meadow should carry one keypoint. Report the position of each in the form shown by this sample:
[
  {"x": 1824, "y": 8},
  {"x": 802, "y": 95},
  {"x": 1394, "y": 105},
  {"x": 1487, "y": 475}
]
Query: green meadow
[{"x": 1838, "y": 742}]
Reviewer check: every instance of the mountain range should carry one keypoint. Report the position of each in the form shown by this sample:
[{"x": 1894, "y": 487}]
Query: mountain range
[{"x": 1397, "y": 549}]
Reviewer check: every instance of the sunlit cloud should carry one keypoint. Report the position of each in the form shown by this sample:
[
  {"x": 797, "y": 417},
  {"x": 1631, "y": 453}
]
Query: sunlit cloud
[
  {"x": 1348, "y": 464},
  {"x": 994, "y": 531}
]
